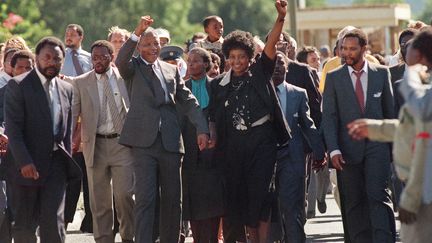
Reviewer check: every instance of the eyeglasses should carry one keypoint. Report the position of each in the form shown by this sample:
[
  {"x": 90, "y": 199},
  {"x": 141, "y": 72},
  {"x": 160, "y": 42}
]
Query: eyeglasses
[{"x": 101, "y": 58}]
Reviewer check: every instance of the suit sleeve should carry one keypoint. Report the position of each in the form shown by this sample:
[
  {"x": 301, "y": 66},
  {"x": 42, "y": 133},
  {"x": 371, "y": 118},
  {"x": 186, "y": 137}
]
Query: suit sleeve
[
  {"x": 76, "y": 104},
  {"x": 388, "y": 103},
  {"x": 309, "y": 129},
  {"x": 68, "y": 136},
  {"x": 330, "y": 121},
  {"x": 189, "y": 105},
  {"x": 15, "y": 122},
  {"x": 124, "y": 60}
]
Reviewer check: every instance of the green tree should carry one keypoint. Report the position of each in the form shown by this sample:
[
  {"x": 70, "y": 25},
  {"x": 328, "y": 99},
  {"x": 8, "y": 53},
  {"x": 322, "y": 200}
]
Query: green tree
[
  {"x": 378, "y": 1},
  {"x": 98, "y": 16},
  {"x": 255, "y": 16},
  {"x": 315, "y": 3},
  {"x": 32, "y": 28},
  {"x": 426, "y": 15}
]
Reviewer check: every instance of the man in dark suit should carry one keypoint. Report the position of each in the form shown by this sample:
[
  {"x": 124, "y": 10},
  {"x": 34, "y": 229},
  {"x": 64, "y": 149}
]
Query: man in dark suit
[
  {"x": 291, "y": 165},
  {"x": 303, "y": 76},
  {"x": 38, "y": 123},
  {"x": 157, "y": 92},
  {"x": 360, "y": 89}
]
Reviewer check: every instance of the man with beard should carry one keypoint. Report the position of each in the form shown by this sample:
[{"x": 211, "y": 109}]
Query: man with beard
[
  {"x": 38, "y": 112},
  {"x": 360, "y": 89},
  {"x": 77, "y": 61},
  {"x": 101, "y": 100}
]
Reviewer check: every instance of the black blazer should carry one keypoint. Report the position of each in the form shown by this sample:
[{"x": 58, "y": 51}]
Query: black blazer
[
  {"x": 30, "y": 129},
  {"x": 301, "y": 75},
  {"x": 260, "y": 75}
]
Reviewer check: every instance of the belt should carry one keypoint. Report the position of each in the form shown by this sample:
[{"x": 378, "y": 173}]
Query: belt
[
  {"x": 108, "y": 136},
  {"x": 261, "y": 121}
]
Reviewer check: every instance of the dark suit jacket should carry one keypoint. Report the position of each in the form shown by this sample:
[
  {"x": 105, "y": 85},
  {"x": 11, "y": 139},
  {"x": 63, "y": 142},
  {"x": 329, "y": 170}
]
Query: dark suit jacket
[
  {"x": 29, "y": 127},
  {"x": 302, "y": 126},
  {"x": 340, "y": 107},
  {"x": 301, "y": 75},
  {"x": 397, "y": 73},
  {"x": 145, "y": 114}
]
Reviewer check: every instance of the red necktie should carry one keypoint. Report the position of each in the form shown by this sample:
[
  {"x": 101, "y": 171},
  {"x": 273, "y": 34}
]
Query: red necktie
[{"x": 359, "y": 90}]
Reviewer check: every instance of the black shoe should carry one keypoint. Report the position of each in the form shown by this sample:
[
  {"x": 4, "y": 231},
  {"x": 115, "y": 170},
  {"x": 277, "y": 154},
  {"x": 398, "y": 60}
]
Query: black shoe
[
  {"x": 310, "y": 214},
  {"x": 322, "y": 206}
]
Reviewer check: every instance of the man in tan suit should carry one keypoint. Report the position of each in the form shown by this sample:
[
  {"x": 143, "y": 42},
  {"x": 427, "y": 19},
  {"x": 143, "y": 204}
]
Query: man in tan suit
[{"x": 101, "y": 100}]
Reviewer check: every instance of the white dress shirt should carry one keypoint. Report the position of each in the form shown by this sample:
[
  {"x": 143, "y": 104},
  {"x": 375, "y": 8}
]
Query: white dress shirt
[{"x": 108, "y": 127}]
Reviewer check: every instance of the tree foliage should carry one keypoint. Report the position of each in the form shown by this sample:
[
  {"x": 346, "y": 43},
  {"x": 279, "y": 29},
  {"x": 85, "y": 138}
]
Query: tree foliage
[
  {"x": 98, "y": 16},
  {"x": 378, "y": 1},
  {"x": 32, "y": 27},
  {"x": 255, "y": 16},
  {"x": 426, "y": 14}
]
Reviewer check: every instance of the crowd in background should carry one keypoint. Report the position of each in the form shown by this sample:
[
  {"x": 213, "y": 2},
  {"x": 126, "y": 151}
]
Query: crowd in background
[{"x": 229, "y": 139}]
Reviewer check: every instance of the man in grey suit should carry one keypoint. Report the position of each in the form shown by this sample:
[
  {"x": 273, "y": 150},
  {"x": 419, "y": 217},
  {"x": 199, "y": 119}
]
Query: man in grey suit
[
  {"x": 101, "y": 101},
  {"x": 360, "y": 89},
  {"x": 152, "y": 130},
  {"x": 291, "y": 160},
  {"x": 38, "y": 112}
]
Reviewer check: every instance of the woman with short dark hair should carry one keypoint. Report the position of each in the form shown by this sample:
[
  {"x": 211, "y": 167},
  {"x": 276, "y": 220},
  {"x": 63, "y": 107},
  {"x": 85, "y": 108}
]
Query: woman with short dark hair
[{"x": 242, "y": 120}]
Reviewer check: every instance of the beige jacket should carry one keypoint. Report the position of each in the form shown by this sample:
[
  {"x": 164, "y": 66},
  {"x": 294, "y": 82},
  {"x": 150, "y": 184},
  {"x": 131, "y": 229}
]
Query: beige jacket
[{"x": 411, "y": 141}]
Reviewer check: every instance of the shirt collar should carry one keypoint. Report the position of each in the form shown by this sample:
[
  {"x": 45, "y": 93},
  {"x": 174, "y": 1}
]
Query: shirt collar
[
  {"x": 42, "y": 78},
  {"x": 78, "y": 50},
  {"x": 148, "y": 63},
  {"x": 108, "y": 73},
  {"x": 365, "y": 68},
  {"x": 281, "y": 87},
  {"x": 4, "y": 74}
]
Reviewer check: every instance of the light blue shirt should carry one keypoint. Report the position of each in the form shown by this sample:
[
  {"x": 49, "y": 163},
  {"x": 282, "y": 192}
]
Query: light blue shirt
[
  {"x": 84, "y": 59},
  {"x": 282, "y": 94}
]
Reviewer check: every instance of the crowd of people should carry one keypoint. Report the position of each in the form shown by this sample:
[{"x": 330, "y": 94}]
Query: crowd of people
[{"x": 231, "y": 139}]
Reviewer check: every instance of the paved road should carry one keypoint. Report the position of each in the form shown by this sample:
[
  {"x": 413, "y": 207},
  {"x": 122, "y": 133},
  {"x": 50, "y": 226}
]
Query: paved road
[{"x": 323, "y": 228}]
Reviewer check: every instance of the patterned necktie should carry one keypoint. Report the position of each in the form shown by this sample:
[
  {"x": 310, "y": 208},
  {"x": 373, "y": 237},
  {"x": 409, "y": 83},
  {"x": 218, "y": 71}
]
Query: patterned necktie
[
  {"x": 359, "y": 90},
  {"x": 109, "y": 102},
  {"x": 76, "y": 63}
]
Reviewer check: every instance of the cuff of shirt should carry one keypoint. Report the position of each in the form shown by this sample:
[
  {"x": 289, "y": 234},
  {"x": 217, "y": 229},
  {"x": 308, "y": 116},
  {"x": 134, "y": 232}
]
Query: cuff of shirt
[
  {"x": 134, "y": 37},
  {"x": 335, "y": 152}
]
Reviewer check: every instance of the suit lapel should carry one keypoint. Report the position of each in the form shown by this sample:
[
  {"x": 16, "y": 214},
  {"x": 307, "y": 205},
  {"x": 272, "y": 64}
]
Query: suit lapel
[
  {"x": 64, "y": 100},
  {"x": 122, "y": 89},
  {"x": 169, "y": 83},
  {"x": 371, "y": 86},
  {"x": 41, "y": 97},
  {"x": 93, "y": 91}
]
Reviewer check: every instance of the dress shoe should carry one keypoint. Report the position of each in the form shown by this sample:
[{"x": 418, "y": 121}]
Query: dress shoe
[{"x": 322, "y": 206}]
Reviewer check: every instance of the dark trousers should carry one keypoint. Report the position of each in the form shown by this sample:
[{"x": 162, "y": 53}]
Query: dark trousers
[
  {"x": 366, "y": 199},
  {"x": 72, "y": 195},
  {"x": 43, "y": 206},
  {"x": 152, "y": 165},
  {"x": 5, "y": 227},
  {"x": 291, "y": 190},
  {"x": 206, "y": 230}
]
